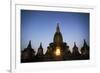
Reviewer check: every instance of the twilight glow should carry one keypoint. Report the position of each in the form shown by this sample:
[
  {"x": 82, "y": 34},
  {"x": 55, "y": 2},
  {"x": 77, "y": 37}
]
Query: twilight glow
[{"x": 40, "y": 26}]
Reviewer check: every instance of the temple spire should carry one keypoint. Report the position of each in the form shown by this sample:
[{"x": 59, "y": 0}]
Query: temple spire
[
  {"x": 40, "y": 45},
  {"x": 29, "y": 45},
  {"x": 58, "y": 36},
  {"x": 57, "y": 29},
  {"x": 85, "y": 44},
  {"x": 74, "y": 44},
  {"x": 40, "y": 51}
]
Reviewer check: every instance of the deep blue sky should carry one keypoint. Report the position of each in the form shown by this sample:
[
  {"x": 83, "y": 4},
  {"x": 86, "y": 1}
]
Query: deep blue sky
[{"x": 40, "y": 26}]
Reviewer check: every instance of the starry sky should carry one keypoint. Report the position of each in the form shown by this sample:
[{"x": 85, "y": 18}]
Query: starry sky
[{"x": 40, "y": 26}]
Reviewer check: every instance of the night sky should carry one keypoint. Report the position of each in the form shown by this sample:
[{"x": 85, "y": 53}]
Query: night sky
[{"x": 40, "y": 26}]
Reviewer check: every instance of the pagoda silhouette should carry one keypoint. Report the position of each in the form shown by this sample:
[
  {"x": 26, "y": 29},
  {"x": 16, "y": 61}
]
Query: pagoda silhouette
[
  {"x": 85, "y": 51},
  {"x": 58, "y": 50},
  {"x": 40, "y": 55},
  {"x": 28, "y": 54},
  {"x": 57, "y": 44}
]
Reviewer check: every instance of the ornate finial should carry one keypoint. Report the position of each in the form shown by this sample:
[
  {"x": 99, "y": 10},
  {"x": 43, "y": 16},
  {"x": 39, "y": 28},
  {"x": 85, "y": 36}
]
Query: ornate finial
[
  {"x": 29, "y": 45},
  {"x": 57, "y": 29},
  {"x": 84, "y": 41},
  {"x": 74, "y": 43},
  {"x": 40, "y": 45},
  {"x": 85, "y": 44}
]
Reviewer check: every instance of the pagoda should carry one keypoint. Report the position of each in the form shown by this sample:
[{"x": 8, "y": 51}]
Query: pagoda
[
  {"x": 85, "y": 50},
  {"x": 57, "y": 50},
  {"x": 40, "y": 55},
  {"x": 28, "y": 54}
]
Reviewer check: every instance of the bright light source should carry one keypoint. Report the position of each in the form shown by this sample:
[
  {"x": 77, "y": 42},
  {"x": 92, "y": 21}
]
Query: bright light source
[{"x": 57, "y": 52}]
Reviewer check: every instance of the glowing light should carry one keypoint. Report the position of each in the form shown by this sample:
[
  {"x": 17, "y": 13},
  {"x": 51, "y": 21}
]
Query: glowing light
[{"x": 58, "y": 53}]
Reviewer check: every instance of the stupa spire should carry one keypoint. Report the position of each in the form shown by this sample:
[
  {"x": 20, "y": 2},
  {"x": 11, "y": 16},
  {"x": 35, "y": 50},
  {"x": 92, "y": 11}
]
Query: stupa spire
[
  {"x": 40, "y": 45},
  {"x": 74, "y": 44},
  {"x": 57, "y": 29},
  {"x": 29, "y": 45}
]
